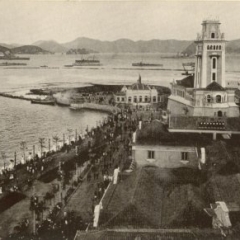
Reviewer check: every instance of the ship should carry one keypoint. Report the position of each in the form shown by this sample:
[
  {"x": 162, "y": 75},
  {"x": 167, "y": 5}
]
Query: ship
[
  {"x": 45, "y": 101},
  {"x": 142, "y": 64},
  {"x": 12, "y": 64},
  {"x": 188, "y": 68},
  {"x": 87, "y": 62},
  {"x": 13, "y": 58}
]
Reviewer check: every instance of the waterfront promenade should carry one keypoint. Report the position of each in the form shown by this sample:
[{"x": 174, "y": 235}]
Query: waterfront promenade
[{"x": 101, "y": 150}]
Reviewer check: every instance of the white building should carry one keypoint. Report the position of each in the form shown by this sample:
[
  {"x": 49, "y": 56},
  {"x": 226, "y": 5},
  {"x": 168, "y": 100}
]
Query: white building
[
  {"x": 205, "y": 94},
  {"x": 139, "y": 95}
]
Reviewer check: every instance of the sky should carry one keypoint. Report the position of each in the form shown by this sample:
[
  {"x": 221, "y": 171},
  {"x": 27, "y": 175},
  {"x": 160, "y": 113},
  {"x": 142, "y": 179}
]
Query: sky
[{"x": 25, "y": 22}]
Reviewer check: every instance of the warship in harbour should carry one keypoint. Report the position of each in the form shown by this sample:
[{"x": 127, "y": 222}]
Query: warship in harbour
[
  {"x": 87, "y": 62},
  {"x": 142, "y": 64}
]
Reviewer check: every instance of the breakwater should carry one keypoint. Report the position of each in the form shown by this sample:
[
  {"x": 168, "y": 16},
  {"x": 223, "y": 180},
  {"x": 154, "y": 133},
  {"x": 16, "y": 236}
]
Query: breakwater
[{"x": 94, "y": 106}]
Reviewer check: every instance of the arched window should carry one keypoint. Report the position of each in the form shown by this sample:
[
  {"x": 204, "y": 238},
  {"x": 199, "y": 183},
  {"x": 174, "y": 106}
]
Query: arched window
[
  {"x": 146, "y": 99},
  {"x": 218, "y": 99},
  {"x": 154, "y": 99},
  {"x": 220, "y": 47},
  {"x": 135, "y": 99},
  {"x": 212, "y": 35},
  {"x": 214, "y": 63},
  {"x": 219, "y": 113},
  {"x": 213, "y": 47},
  {"x": 140, "y": 99},
  {"x": 216, "y": 47},
  {"x": 129, "y": 99},
  {"x": 208, "y": 47},
  {"x": 209, "y": 99}
]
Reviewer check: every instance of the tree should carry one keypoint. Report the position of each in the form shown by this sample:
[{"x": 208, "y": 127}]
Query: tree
[
  {"x": 23, "y": 148},
  {"x": 42, "y": 142},
  {"x": 56, "y": 140}
]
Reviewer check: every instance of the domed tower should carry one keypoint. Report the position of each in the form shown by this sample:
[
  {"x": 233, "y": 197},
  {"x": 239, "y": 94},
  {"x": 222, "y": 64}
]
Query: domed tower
[{"x": 210, "y": 55}]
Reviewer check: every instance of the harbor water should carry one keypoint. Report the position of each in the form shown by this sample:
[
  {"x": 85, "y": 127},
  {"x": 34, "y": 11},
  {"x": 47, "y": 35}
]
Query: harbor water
[{"x": 22, "y": 121}]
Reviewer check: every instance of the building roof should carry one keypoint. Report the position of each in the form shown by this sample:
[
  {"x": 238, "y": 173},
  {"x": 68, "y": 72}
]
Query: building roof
[
  {"x": 205, "y": 123},
  {"x": 148, "y": 234},
  {"x": 187, "y": 82},
  {"x": 214, "y": 86},
  {"x": 139, "y": 85},
  {"x": 133, "y": 202},
  {"x": 156, "y": 133}
]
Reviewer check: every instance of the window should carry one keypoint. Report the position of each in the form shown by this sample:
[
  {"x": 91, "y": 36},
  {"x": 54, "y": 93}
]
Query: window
[
  {"x": 212, "y": 35},
  {"x": 220, "y": 47},
  {"x": 129, "y": 99},
  {"x": 213, "y": 47},
  {"x": 214, "y": 63},
  {"x": 220, "y": 114},
  {"x": 118, "y": 99},
  {"x": 135, "y": 99},
  {"x": 154, "y": 99},
  {"x": 216, "y": 47},
  {"x": 208, "y": 47},
  {"x": 146, "y": 99},
  {"x": 213, "y": 76},
  {"x": 122, "y": 99},
  {"x": 209, "y": 98},
  {"x": 140, "y": 99},
  {"x": 218, "y": 99},
  {"x": 184, "y": 156},
  {"x": 151, "y": 155}
]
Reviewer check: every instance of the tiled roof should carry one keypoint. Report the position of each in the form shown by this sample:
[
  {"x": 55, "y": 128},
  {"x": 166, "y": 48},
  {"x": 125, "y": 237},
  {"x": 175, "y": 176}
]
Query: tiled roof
[
  {"x": 155, "y": 133},
  {"x": 214, "y": 86},
  {"x": 153, "y": 197},
  {"x": 140, "y": 86},
  {"x": 187, "y": 82}
]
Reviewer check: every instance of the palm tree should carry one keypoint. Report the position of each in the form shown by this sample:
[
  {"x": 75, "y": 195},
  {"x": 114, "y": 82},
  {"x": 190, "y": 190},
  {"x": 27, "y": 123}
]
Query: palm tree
[
  {"x": 23, "y": 148},
  {"x": 56, "y": 139},
  {"x": 41, "y": 142}
]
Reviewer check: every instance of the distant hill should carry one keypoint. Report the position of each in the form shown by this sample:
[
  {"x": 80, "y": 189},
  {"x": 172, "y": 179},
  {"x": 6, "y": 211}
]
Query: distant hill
[
  {"x": 80, "y": 51},
  {"x": 5, "y": 50},
  {"x": 29, "y": 49},
  {"x": 9, "y": 46},
  {"x": 51, "y": 46},
  {"x": 126, "y": 45}
]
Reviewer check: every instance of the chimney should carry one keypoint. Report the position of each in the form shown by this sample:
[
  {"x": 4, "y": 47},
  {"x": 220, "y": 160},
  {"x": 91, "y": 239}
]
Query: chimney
[
  {"x": 140, "y": 125},
  {"x": 134, "y": 137},
  {"x": 139, "y": 79},
  {"x": 203, "y": 156}
]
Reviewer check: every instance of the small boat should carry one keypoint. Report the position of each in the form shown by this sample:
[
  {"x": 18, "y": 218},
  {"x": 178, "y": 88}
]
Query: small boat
[
  {"x": 44, "y": 66},
  {"x": 46, "y": 101},
  {"x": 188, "y": 68},
  {"x": 142, "y": 64},
  {"x": 68, "y": 65}
]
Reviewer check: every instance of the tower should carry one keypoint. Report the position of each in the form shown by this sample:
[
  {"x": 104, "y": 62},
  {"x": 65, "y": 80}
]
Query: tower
[{"x": 210, "y": 55}]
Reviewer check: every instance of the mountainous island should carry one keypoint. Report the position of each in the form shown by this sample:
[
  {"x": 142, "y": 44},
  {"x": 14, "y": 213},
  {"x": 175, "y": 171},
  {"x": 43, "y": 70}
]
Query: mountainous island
[{"x": 84, "y": 45}]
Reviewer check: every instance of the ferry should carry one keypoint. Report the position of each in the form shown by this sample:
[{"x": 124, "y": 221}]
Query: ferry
[{"x": 12, "y": 64}]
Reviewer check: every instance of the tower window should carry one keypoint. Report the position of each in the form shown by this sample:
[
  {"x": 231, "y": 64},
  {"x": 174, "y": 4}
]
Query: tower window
[
  {"x": 212, "y": 35},
  {"x": 213, "y": 76},
  {"x": 214, "y": 61},
  {"x": 218, "y": 99}
]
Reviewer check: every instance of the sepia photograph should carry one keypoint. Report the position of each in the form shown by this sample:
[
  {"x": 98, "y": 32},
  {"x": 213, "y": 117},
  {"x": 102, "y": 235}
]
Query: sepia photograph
[{"x": 119, "y": 120}]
